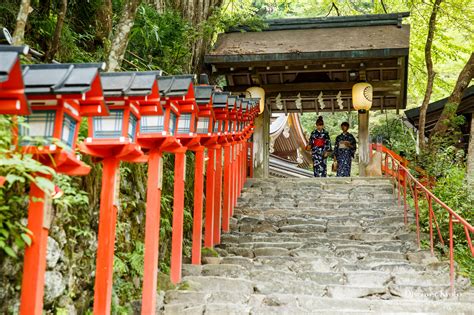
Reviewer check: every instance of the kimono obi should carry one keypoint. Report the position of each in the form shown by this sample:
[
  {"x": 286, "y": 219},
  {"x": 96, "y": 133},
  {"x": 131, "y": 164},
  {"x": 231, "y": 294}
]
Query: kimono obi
[{"x": 319, "y": 142}]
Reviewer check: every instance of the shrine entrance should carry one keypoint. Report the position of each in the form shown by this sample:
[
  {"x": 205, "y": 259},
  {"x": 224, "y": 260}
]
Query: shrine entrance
[{"x": 311, "y": 65}]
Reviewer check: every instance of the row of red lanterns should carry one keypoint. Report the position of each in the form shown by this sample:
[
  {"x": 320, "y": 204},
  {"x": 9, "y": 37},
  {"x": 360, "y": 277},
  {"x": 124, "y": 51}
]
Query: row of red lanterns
[{"x": 135, "y": 117}]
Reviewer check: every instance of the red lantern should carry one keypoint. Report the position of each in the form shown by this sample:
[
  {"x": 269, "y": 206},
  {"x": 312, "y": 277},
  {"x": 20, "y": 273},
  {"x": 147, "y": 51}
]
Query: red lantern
[
  {"x": 59, "y": 95},
  {"x": 114, "y": 138},
  {"x": 12, "y": 94}
]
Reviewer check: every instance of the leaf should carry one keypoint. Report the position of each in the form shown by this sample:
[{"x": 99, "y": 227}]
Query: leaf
[
  {"x": 4, "y": 233},
  {"x": 10, "y": 252},
  {"x": 26, "y": 238},
  {"x": 44, "y": 184},
  {"x": 12, "y": 178}
]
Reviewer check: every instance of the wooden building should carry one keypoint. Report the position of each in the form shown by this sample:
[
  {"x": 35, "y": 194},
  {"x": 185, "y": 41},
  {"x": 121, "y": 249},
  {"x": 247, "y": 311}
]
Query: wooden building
[{"x": 311, "y": 65}]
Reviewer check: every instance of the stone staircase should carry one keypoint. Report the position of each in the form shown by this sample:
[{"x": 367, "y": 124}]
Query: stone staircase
[{"x": 319, "y": 246}]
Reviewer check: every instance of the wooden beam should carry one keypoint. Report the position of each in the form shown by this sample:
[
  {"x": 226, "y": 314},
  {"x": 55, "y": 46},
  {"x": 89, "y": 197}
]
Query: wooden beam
[{"x": 390, "y": 85}]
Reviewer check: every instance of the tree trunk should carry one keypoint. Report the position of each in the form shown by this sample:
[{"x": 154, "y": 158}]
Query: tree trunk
[
  {"x": 157, "y": 4},
  {"x": 470, "y": 156},
  {"x": 449, "y": 110},
  {"x": 19, "y": 33},
  {"x": 431, "y": 74},
  {"x": 121, "y": 34},
  {"x": 104, "y": 20},
  {"x": 57, "y": 32}
]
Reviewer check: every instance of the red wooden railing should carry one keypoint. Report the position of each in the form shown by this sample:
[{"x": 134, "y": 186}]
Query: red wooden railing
[{"x": 392, "y": 166}]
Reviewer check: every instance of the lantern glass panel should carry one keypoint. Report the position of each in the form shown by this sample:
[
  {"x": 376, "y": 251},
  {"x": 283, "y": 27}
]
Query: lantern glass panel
[
  {"x": 152, "y": 124},
  {"x": 132, "y": 126},
  {"x": 203, "y": 125},
  {"x": 184, "y": 125},
  {"x": 216, "y": 126},
  {"x": 40, "y": 124},
  {"x": 172, "y": 123},
  {"x": 69, "y": 130},
  {"x": 109, "y": 126}
]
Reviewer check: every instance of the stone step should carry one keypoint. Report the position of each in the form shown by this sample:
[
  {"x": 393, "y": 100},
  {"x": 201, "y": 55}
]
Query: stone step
[
  {"x": 325, "y": 246},
  {"x": 324, "y": 305}
]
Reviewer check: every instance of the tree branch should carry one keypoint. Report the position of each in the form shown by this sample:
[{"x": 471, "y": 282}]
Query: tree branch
[{"x": 431, "y": 73}]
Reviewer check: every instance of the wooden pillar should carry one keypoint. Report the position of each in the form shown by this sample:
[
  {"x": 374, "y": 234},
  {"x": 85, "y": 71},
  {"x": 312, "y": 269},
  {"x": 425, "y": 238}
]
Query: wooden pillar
[
  {"x": 34, "y": 268},
  {"x": 106, "y": 238},
  {"x": 152, "y": 232},
  {"x": 218, "y": 197},
  {"x": 198, "y": 194},
  {"x": 209, "y": 224},
  {"x": 364, "y": 158},
  {"x": 261, "y": 140},
  {"x": 178, "y": 216},
  {"x": 470, "y": 156},
  {"x": 227, "y": 188}
]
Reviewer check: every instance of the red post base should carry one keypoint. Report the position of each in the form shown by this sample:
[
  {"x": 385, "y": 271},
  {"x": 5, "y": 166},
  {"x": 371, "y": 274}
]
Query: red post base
[
  {"x": 198, "y": 194},
  {"x": 210, "y": 178},
  {"x": 178, "y": 217},
  {"x": 106, "y": 238},
  {"x": 32, "y": 287},
  {"x": 152, "y": 232}
]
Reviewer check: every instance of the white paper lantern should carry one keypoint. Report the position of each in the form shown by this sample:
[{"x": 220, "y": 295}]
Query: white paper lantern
[
  {"x": 257, "y": 92},
  {"x": 362, "y": 96}
]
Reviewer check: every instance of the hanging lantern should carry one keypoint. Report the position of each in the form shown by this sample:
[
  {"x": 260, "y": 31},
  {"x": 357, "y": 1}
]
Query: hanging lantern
[
  {"x": 257, "y": 92},
  {"x": 362, "y": 96}
]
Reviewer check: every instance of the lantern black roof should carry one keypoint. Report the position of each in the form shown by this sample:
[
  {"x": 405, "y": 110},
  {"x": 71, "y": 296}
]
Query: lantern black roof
[
  {"x": 219, "y": 99},
  {"x": 8, "y": 57},
  {"x": 232, "y": 101},
  {"x": 246, "y": 104},
  {"x": 203, "y": 94},
  {"x": 128, "y": 83},
  {"x": 175, "y": 85},
  {"x": 60, "y": 78}
]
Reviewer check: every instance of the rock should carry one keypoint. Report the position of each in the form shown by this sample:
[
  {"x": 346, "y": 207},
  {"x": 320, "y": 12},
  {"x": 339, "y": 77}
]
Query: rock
[
  {"x": 53, "y": 253},
  {"x": 191, "y": 270},
  {"x": 271, "y": 251},
  {"x": 66, "y": 303},
  {"x": 211, "y": 260},
  {"x": 422, "y": 257},
  {"x": 302, "y": 228},
  {"x": 54, "y": 286}
]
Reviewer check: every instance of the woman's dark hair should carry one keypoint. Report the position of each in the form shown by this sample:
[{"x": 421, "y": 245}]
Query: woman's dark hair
[
  {"x": 345, "y": 124},
  {"x": 320, "y": 121}
]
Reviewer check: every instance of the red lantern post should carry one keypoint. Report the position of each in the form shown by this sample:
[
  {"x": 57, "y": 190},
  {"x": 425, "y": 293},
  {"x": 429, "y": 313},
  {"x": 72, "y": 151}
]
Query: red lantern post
[
  {"x": 205, "y": 128},
  {"x": 229, "y": 162},
  {"x": 59, "y": 95},
  {"x": 221, "y": 125},
  {"x": 178, "y": 91},
  {"x": 113, "y": 138}
]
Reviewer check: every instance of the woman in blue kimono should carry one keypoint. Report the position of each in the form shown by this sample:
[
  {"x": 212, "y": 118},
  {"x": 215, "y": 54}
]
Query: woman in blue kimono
[
  {"x": 320, "y": 146},
  {"x": 344, "y": 151}
]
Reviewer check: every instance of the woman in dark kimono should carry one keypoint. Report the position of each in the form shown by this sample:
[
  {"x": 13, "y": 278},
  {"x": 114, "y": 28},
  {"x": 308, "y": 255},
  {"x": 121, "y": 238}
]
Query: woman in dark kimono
[
  {"x": 344, "y": 151},
  {"x": 320, "y": 145}
]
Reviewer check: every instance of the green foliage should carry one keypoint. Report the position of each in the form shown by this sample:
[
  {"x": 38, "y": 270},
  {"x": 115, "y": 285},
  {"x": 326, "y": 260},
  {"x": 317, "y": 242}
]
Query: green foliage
[
  {"x": 18, "y": 170},
  {"x": 209, "y": 252},
  {"x": 453, "y": 190},
  {"x": 160, "y": 41},
  {"x": 395, "y": 135}
]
